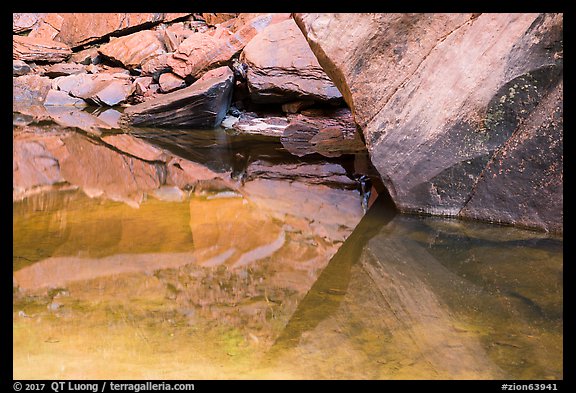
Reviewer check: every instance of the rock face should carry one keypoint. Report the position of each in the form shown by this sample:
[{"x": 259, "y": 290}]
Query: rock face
[
  {"x": 282, "y": 68},
  {"x": 35, "y": 49},
  {"x": 82, "y": 28},
  {"x": 201, "y": 52},
  {"x": 29, "y": 90},
  {"x": 448, "y": 104},
  {"x": 202, "y": 104},
  {"x": 132, "y": 50}
]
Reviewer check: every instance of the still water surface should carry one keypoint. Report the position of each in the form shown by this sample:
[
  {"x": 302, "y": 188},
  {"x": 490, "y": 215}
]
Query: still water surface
[{"x": 284, "y": 278}]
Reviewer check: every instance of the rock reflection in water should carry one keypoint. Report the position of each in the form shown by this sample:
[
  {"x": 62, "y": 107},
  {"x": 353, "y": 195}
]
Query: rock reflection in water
[{"x": 134, "y": 262}]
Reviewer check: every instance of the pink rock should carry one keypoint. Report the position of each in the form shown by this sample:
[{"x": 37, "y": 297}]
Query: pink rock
[
  {"x": 132, "y": 50},
  {"x": 34, "y": 49}
]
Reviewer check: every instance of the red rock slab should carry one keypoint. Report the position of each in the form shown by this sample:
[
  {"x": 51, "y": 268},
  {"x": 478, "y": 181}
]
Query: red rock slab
[
  {"x": 22, "y": 21},
  {"x": 201, "y": 52},
  {"x": 202, "y": 104},
  {"x": 283, "y": 68},
  {"x": 83, "y": 28},
  {"x": 132, "y": 50},
  {"x": 169, "y": 82},
  {"x": 34, "y": 49}
]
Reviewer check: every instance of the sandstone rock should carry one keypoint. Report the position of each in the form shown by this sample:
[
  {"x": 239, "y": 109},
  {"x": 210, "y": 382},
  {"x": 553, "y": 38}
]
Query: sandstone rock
[
  {"x": 282, "y": 68},
  {"x": 142, "y": 84},
  {"x": 174, "y": 34},
  {"x": 20, "y": 68},
  {"x": 156, "y": 65},
  {"x": 201, "y": 52},
  {"x": 86, "y": 56},
  {"x": 62, "y": 98},
  {"x": 47, "y": 27},
  {"x": 202, "y": 104},
  {"x": 22, "y": 22},
  {"x": 30, "y": 90},
  {"x": 83, "y": 28},
  {"x": 64, "y": 69},
  {"x": 33, "y": 49},
  {"x": 213, "y": 19},
  {"x": 172, "y": 16},
  {"x": 169, "y": 82},
  {"x": 132, "y": 50},
  {"x": 523, "y": 183},
  {"x": 101, "y": 89},
  {"x": 442, "y": 97}
]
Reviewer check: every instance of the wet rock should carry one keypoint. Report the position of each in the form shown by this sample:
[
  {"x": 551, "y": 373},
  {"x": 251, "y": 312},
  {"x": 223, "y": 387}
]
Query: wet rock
[
  {"x": 34, "y": 49},
  {"x": 20, "y": 68},
  {"x": 327, "y": 132},
  {"x": 101, "y": 89},
  {"x": 201, "y": 52},
  {"x": 523, "y": 184},
  {"x": 262, "y": 124},
  {"x": 64, "y": 69},
  {"x": 202, "y": 104},
  {"x": 282, "y": 68},
  {"x": 169, "y": 82},
  {"x": 62, "y": 98},
  {"x": 29, "y": 90},
  {"x": 132, "y": 50},
  {"x": 47, "y": 27},
  {"x": 23, "y": 21},
  {"x": 435, "y": 127}
]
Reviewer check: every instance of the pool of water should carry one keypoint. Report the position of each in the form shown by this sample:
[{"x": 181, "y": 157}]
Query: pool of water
[{"x": 278, "y": 274}]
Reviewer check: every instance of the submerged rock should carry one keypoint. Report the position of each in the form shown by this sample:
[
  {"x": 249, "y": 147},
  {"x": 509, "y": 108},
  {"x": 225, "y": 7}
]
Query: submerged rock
[
  {"x": 443, "y": 97},
  {"x": 282, "y": 68},
  {"x": 202, "y": 104},
  {"x": 36, "y": 49}
]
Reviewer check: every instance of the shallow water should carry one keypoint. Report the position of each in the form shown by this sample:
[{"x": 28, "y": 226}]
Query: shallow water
[{"x": 271, "y": 280}]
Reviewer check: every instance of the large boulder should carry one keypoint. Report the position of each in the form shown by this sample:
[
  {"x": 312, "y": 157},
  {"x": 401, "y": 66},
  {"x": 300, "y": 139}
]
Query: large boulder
[
  {"x": 202, "y": 104},
  {"x": 282, "y": 68},
  {"x": 132, "y": 50},
  {"x": 447, "y": 101},
  {"x": 202, "y": 52},
  {"x": 36, "y": 49}
]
